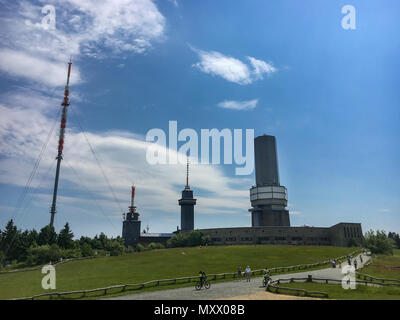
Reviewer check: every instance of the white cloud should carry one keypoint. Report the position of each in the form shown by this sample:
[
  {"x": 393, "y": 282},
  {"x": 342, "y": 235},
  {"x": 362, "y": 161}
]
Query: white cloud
[
  {"x": 260, "y": 67},
  {"x": 229, "y": 68},
  {"x": 238, "y": 105},
  {"x": 93, "y": 28},
  {"x": 123, "y": 158},
  {"x": 232, "y": 69},
  {"x": 48, "y": 72}
]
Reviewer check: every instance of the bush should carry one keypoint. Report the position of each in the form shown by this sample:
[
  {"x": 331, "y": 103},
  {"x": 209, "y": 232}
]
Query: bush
[
  {"x": 43, "y": 254},
  {"x": 87, "y": 250},
  {"x": 71, "y": 253},
  {"x": 379, "y": 243},
  {"x": 116, "y": 248},
  {"x": 140, "y": 247},
  {"x": 154, "y": 245},
  {"x": 194, "y": 238},
  {"x": 177, "y": 240},
  {"x": 129, "y": 249}
]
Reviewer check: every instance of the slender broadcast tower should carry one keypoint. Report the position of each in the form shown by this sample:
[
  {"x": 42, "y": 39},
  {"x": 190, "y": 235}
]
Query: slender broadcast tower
[
  {"x": 65, "y": 105},
  {"x": 187, "y": 204}
]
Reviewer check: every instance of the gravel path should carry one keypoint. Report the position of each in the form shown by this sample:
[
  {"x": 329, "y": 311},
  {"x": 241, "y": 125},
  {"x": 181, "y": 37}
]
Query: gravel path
[{"x": 233, "y": 289}]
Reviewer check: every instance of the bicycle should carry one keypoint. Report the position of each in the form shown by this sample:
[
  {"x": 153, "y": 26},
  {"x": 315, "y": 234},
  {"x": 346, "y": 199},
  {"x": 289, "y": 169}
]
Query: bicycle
[
  {"x": 266, "y": 279},
  {"x": 205, "y": 284}
]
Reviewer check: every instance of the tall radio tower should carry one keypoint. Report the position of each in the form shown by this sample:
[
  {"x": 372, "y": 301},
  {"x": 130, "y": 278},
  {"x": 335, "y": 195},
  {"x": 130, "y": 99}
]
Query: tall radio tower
[{"x": 65, "y": 105}]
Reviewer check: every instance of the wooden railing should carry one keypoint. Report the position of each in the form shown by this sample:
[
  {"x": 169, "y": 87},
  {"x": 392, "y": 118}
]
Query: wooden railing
[
  {"x": 364, "y": 279},
  {"x": 379, "y": 281}
]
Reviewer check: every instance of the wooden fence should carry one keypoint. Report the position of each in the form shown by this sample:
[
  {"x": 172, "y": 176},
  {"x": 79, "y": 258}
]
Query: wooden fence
[{"x": 363, "y": 279}]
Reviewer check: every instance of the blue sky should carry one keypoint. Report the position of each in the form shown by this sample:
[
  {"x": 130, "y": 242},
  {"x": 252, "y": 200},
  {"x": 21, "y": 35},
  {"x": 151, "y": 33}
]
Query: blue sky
[{"x": 328, "y": 94}]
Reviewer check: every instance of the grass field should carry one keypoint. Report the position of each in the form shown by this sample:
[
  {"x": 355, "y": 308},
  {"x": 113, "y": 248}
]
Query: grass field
[
  {"x": 161, "y": 264},
  {"x": 383, "y": 266}
]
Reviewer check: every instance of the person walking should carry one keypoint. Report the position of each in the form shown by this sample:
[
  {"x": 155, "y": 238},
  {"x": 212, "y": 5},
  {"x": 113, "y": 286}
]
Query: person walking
[
  {"x": 239, "y": 271},
  {"x": 361, "y": 259},
  {"x": 247, "y": 271},
  {"x": 355, "y": 263}
]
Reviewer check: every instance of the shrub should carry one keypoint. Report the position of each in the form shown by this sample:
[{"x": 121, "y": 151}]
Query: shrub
[
  {"x": 43, "y": 254},
  {"x": 116, "y": 248},
  {"x": 194, "y": 238},
  {"x": 379, "y": 242},
  {"x": 71, "y": 253},
  {"x": 154, "y": 245},
  {"x": 87, "y": 250},
  {"x": 139, "y": 247},
  {"x": 177, "y": 240}
]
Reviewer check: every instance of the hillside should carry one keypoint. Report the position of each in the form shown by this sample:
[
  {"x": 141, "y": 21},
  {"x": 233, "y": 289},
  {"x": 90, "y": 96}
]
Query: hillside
[{"x": 161, "y": 264}]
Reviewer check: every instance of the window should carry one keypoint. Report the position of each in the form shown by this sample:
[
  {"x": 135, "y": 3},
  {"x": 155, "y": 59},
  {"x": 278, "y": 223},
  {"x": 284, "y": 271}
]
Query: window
[
  {"x": 280, "y": 238},
  {"x": 297, "y": 238}
]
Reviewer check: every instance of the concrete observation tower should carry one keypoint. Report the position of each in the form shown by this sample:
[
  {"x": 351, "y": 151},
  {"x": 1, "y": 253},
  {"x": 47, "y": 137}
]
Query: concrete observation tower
[
  {"x": 268, "y": 198},
  {"x": 187, "y": 203},
  {"x": 131, "y": 224}
]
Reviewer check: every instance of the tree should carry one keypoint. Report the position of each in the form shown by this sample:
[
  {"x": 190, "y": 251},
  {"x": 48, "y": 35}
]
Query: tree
[
  {"x": 25, "y": 241},
  {"x": 379, "y": 242},
  {"x": 396, "y": 238},
  {"x": 87, "y": 250},
  {"x": 47, "y": 235},
  {"x": 116, "y": 248},
  {"x": 9, "y": 239},
  {"x": 65, "y": 238},
  {"x": 43, "y": 254},
  {"x": 177, "y": 240}
]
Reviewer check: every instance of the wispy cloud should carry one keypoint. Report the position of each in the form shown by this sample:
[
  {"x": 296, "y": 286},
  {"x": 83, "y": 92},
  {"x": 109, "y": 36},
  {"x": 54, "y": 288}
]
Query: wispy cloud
[
  {"x": 238, "y": 105},
  {"x": 229, "y": 68},
  {"x": 232, "y": 69},
  {"x": 174, "y": 2},
  {"x": 48, "y": 72},
  {"x": 261, "y": 67},
  {"x": 92, "y": 28},
  {"x": 159, "y": 185}
]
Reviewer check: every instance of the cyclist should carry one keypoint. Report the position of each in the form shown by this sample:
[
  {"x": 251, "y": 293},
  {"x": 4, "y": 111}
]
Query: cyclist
[
  {"x": 267, "y": 278},
  {"x": 202, "y": 276}
]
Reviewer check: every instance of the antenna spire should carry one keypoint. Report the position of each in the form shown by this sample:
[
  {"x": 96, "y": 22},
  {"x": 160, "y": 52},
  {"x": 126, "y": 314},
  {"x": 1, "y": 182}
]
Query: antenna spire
[
  {"x": 187, "y": 172},
  {"x": 132, "y": 208}
]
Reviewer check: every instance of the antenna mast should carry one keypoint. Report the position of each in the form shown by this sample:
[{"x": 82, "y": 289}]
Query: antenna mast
[
  {"x": 59, "y": 157},
  {"x": 187, "y": 172}
]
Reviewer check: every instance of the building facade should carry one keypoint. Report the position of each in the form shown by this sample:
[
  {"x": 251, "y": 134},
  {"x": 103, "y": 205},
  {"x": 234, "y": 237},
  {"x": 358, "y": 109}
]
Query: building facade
[{"x": 341, "y": 234}]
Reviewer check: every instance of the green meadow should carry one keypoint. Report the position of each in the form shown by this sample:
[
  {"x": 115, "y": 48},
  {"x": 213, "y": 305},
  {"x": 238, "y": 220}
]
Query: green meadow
[{"x": 144, "y": 266}]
